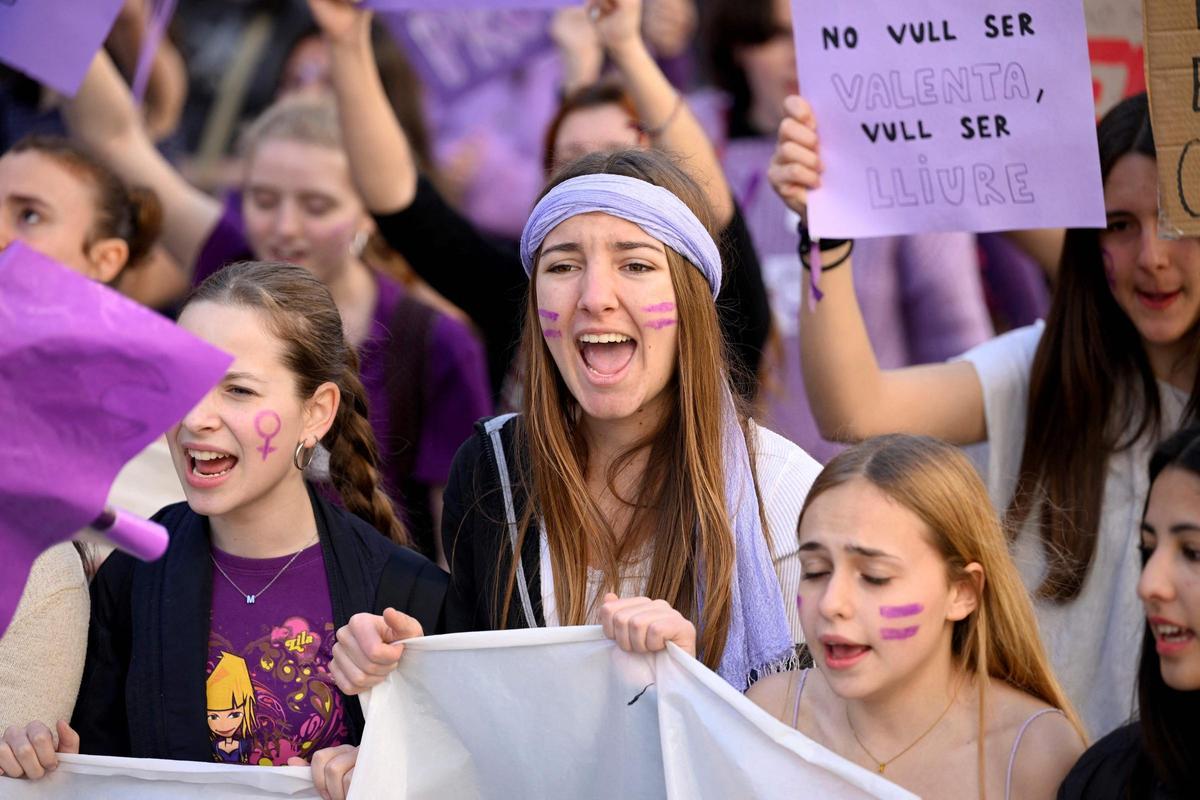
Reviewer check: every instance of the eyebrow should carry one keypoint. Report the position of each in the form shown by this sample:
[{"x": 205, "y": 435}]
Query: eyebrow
[
  {"x": 243, "y": 376},
  {"x": 1180, "y": 528},
  {"x": 575, "y": 247},
  {"x": 857, "y": 549},
  {"x": 29, "y": 199}
]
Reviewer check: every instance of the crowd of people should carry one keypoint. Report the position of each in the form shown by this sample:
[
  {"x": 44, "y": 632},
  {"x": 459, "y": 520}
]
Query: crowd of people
[{"x": 944, "y": 521}]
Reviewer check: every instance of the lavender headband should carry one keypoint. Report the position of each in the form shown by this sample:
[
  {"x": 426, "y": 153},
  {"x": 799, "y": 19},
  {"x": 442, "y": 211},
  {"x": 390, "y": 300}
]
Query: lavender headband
[
  {"x": 759, "y": 641},
  {"x": 652, "y": 208}
]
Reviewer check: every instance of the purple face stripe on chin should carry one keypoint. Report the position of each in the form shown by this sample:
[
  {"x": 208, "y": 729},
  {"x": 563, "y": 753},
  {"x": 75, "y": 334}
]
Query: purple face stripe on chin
[
  {"x": 898, "y": 633},
  {"x": 550, "y": 315},
  {"x": 892, "y": 612},
  {"x": 659, "y": 324},
  {"x": 659, "y": 308}
]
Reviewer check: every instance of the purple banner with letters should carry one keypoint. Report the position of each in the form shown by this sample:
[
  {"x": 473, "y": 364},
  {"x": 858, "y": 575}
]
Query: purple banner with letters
[
  {"x": 88, "y": 379},
  {"x": 456, "y": 51},
  {"x": 53, "y": 41},
  {"x": 943, "y": 115}
]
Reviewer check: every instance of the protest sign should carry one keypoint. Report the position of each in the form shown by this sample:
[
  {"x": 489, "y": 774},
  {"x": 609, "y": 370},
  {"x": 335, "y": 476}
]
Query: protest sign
[
  {"x": 1173, "y": 49},
  {"x": 562, "y": 712},
  {"x": 456, "y": 51},
  {"x": 109, "y": 778},
  {"x": 88, "y": 379},
  {"x": 53, "y": 41},
  {"x": 445, "y": 5},
  {"x": 940, "y": 115},
  {"x": 1115, "y": 48}
]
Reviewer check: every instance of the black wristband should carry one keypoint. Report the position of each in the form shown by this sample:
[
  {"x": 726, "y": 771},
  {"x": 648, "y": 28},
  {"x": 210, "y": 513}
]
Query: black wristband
[{"x": 823, "y": 245}]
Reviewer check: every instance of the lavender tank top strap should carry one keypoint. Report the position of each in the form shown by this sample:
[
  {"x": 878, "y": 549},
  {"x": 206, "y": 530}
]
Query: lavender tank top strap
[
  {"x": 799, "y": 691},
  {"x": 1012, "y": 757}
]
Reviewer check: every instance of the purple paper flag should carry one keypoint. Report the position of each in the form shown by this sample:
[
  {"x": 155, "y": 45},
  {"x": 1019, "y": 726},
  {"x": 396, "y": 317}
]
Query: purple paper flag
[
  {"x": 88, "y": 379},
  {"x": 940, "y": 115},
  {"x": 161, "y": 12},
  {"x": 457, "y": 51},
  {"x": 53, "y": 41}
]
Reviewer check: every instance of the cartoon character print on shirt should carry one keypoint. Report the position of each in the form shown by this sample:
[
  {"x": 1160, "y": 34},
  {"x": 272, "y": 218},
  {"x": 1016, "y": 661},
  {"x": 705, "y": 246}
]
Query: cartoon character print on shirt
[{"x": 284, "y": 692}]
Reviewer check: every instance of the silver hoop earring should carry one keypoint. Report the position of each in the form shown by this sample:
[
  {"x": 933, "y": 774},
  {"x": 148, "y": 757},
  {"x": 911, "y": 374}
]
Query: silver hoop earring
[{"x": 308, "y": 457}]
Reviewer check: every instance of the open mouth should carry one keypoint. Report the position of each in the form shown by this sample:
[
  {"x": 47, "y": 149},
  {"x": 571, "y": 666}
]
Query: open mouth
[
  {"x": 1157, "y": 300},
  {"x": 1169, "y": 637},
  {"x": 606, "y": 355},
  {"x": 840, "y": 654},
  {"x": 210, "y": 464}
]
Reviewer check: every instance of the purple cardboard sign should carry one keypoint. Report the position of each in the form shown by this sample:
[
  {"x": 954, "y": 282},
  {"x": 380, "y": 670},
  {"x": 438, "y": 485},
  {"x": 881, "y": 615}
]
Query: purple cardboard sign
[
  {"x": 457, "y": 51},
  {"x": 88, "y": 378},
  {"x": 940, "y": 115},
  {"x": 53, "y": 41}
]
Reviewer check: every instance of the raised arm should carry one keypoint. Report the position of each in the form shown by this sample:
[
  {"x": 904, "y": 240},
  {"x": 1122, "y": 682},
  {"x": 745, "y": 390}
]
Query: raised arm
[
  {"x": 851, "y": 397},
  {"x": 381, "y": 161},
  {"x": 103, "y": 118},
  {"x": 662, "y": 110}
]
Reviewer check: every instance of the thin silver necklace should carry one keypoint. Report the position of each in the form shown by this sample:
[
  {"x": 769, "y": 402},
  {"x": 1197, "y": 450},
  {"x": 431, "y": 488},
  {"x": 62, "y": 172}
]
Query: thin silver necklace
[{"x": 250, "y": 598}]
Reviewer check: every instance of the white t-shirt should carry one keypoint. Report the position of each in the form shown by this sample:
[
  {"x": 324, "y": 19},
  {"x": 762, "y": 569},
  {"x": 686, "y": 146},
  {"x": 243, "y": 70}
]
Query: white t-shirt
[
  {"x": 1094, "y": 641},
  {"x": 785, "y": 473}
]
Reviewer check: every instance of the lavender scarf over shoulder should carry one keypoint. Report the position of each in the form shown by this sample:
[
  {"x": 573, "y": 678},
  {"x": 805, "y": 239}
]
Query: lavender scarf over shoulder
[{"x": 759, "y": 640}]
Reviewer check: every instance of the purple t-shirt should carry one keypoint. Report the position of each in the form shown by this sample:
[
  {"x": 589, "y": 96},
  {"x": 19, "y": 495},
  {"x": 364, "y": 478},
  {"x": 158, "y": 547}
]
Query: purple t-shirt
[
  {"x": 269, "y": 692},
  {"x": 457, "y": 392}
]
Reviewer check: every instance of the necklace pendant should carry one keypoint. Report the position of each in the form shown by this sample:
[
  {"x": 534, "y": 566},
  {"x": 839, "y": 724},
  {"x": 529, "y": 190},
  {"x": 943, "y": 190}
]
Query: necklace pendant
[
  {"x": 881, "y": 768},
  {"x": 250, "y": 601}
]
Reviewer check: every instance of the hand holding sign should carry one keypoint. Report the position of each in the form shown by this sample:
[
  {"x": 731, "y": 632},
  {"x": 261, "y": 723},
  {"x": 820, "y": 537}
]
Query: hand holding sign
[
  {"x": 796, "y": 166},
  {"x": 939, "y": 115}
]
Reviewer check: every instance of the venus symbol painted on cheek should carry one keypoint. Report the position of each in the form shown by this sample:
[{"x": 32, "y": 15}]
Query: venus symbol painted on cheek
[{"x": 267, "y": 435}]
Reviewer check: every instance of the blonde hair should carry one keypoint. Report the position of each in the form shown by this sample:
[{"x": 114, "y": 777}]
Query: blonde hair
[
  {"x": 229, "y": 686},
  {"x": 938, "y": 484},
  {"x": 679, "y": 508}
]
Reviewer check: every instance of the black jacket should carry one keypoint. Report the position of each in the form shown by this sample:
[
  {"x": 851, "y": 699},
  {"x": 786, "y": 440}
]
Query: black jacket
[
  {"x": 483, "y": 276},
  {"x": 143, "y": 692},
  {"x": 477, "y": 537}
]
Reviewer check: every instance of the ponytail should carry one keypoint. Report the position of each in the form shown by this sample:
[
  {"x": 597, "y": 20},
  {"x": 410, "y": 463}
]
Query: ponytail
[{"x": 354, "y": 458}]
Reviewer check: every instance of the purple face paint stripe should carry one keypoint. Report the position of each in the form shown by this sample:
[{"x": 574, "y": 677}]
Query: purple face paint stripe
[
  {"x": 550, "y": 315},
  {"x": 660, "y": 308},
  {"x": 266, "y": 448},
  {"x": 891, "y": 612},
  {"x": 552, "y": 333},
  {"x": 659, "y": 324},
  {"x": 898, "y": 633}
]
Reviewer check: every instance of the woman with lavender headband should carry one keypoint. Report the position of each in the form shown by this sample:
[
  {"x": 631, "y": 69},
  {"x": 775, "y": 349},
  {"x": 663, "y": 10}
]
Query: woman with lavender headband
[{"x": 632, "y": 474}]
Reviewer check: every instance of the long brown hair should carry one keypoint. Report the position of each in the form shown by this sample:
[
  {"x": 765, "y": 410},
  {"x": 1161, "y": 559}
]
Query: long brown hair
[
  {"x": 1092, "y": 390},
  {"x": 301, "y": 314},
  {"x": 594, "y": 95},
  {"x": 679, "y": 509},
  {"x": 938, "y": 484},
  {"x": 131, "y": 214}
]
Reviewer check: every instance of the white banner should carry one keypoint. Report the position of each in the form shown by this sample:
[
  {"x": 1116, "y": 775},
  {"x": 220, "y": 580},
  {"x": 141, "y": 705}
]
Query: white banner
[
  {"x": 561, "y": 712},
  {"x": 104, "y": 778}
]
